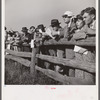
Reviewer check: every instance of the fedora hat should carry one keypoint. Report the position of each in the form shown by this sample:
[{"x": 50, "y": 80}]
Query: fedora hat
[
  {"x": 55, "y": 22},
  {"x": 41, "y": 26}
]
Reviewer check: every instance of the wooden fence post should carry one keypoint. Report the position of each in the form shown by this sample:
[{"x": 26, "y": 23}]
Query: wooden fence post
[
  {"x": 60, "y": 55},
  {"x": 32, "y": 65},
  {"x": 70, "y": 55}
]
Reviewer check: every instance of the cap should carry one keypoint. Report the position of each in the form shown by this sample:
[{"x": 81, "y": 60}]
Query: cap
[{"x": 68, "y": 13}]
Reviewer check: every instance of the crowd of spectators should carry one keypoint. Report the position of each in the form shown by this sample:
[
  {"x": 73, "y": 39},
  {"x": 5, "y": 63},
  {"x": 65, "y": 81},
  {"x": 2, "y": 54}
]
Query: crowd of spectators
[{"x": 77, "y": 27}]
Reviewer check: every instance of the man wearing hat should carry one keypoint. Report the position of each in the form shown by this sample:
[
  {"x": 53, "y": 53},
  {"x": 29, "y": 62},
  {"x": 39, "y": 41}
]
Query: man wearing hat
[
  {"x": 67, "y": 33},
  {"x": 68, "y": 18},
  {"x": 26, "y": 38},
  {"x": 54, "y": 32}
]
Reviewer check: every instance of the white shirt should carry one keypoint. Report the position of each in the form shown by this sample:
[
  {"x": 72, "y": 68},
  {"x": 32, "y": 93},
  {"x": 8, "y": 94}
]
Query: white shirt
[{"x": 51, "y": 32}]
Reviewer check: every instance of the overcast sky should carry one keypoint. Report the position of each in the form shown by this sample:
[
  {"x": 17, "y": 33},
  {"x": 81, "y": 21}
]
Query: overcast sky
[{"x": 20, "y": 13}]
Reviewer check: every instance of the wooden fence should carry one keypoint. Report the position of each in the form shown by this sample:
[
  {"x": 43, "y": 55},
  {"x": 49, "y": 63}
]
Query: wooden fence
[{"x": 79, "y": 72}]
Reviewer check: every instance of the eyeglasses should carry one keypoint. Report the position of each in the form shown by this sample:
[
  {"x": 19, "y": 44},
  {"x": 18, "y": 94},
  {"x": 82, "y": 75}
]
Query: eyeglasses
[{"x": 66, "y": 16}]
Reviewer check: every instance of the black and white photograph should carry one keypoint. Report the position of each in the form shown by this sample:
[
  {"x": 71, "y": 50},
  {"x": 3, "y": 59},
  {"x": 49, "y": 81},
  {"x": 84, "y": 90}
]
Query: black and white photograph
[{"x": 50, "y": 43}]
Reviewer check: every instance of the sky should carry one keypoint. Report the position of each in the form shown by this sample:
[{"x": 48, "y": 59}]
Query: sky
[{"x": 26, "y": 13}]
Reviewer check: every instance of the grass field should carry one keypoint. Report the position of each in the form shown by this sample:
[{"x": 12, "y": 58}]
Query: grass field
[{"x": 17, "y": 74}]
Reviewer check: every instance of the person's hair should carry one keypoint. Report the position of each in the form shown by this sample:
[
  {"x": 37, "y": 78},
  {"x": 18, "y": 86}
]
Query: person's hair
[
  {"x": 82, "y": 12},
  {"x": 79, "y": 17},
  {"x": 90, "y": 10},
  {"x": 43, "y": 29},
  {"x": 36, "y": 30},
  {"x": 32, "y": 27},
  {"x": 5, "y": 28},
  {"x": 11, "y": 33}
]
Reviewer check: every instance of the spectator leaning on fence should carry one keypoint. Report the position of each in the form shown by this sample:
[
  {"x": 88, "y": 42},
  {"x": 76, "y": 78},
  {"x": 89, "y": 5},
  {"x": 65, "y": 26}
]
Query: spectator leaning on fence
[
  {"x": 68, "y": 30},
  {"x": 42, "y": 29},
  {"x": 32, "y": 31},
  {"x": 38, "y": 37},
  {"x": 32, "y": 35},
  {"x": 88, "y": 31},
  {"x": 54, "y": 30},
  {"x": 89, "y": 17},
  {"x": 26, "y": 36},
  {"x": 79, "y": 35},
  {"x": 17, "y": 39},
  {"x": 10, "y": 40},
  {"x": 67, "y": 34},
  {"x": 26, "y": 39}
]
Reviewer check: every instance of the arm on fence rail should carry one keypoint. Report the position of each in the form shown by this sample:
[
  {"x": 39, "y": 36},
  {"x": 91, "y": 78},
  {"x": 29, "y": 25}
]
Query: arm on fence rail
[
  {"x": 90, "y": 67},
  {"x": 88, "y": 42}
]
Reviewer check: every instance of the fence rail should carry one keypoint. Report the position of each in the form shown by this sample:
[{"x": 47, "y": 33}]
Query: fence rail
[{"x": 80, "y": 66}]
